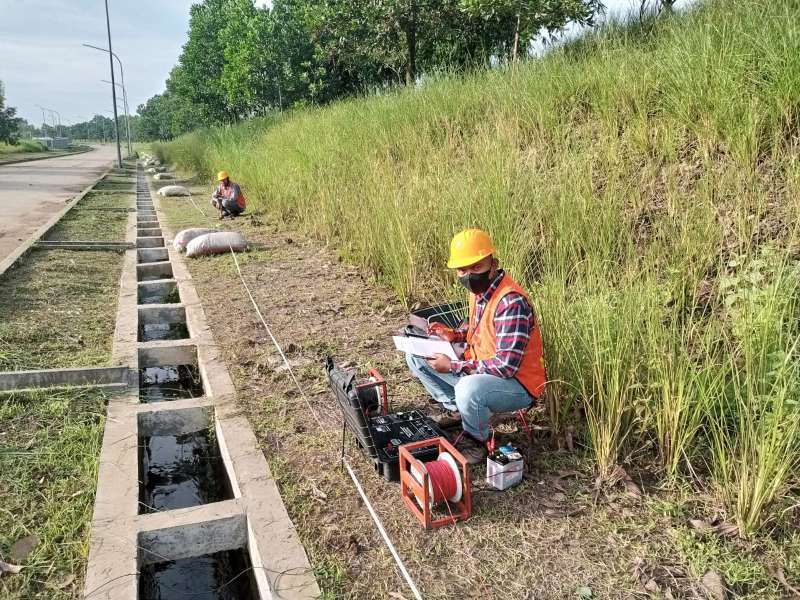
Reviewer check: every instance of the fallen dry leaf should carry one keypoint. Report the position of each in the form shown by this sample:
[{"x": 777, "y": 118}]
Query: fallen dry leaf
[
  {"x": 632, "y": 489},
  {"x": 714, "y": 585},
  {"x": 565, "y": 474},
  {"x": 722, "y": 528},
  {"x": 652, "y": 587},
  {"x": 318, "y": 493},
  {"x": 700, "y": 525},
  {"x": 569, "y": 438},
  {"x": 777, "y": 573},
  {"x": 621, "y": 474},
  {"x": 9, "y": 568},
  {"x": 65, "y": 582},
  {"x": 23, "y": 547}
]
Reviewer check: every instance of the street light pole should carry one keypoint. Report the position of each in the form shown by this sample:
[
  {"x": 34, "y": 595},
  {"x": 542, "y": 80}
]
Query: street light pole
[
  {"x": 125, "y": 106},
  {"x": 59, "y": 120},
  {"x": 124, "y": 92},
  {"x": 44, "y": 120},
  {"x": 113, "y": 87}
]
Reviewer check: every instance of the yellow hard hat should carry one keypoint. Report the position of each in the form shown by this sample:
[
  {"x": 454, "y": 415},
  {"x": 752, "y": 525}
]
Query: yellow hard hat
[
  {"x": 469, "y": 247},
  {"x": 222, "y": 175}
]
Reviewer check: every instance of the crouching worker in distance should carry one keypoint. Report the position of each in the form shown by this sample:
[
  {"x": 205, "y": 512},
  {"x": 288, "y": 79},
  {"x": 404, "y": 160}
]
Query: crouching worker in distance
[
  {"x": 228, "y": 198},
  {"x": 503, "y": 368}
]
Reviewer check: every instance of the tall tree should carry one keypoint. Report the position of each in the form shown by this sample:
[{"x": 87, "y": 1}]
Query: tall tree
[
  {"x": 201, "y": 63},
  {"x": 512, "y": 24},
  {"x": 9, "y": 122},
  {"x": 241, "y": 60}
]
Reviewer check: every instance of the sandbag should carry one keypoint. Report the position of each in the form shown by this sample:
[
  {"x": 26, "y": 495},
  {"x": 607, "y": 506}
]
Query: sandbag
[
  {"x": 216, "y": 243},
  {"x": 187, "y": 235},
  {"x": 173, "y": 190},
  {"x": 162, "y": 176}
]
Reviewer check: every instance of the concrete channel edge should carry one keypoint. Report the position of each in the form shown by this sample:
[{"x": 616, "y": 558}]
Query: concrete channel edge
[{"x": 255, "y": 519}]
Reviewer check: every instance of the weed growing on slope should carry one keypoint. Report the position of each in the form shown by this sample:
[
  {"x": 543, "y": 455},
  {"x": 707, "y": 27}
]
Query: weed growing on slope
[{"x": 619, "y": 176}]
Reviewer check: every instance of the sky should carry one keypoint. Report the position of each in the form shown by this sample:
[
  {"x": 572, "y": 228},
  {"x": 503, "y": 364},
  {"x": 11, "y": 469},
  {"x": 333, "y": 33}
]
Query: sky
[{"x": 43, "y": 62}]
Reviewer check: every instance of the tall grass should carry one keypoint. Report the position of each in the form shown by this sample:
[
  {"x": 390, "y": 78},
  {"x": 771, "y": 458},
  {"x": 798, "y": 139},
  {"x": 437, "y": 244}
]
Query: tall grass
[
  {"x": 22, "y": 146},
  {"x": 619, "y": 176},
  {"x": 755, "y": 424}
]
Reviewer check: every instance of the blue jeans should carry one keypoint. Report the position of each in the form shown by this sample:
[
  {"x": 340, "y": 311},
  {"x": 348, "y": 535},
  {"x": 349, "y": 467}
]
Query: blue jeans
[
  {"x": 228, "y": 206},
  {"x": 476, "y": 397}
]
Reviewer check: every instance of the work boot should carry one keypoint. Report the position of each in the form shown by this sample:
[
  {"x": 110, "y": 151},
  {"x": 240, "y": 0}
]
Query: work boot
[
  {"x": 474, "y": 451},
  {"x": 445, "y": 418}
]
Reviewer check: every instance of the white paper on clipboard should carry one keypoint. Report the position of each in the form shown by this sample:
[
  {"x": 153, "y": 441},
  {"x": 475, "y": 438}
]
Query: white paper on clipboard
[{"x": 424, "y": 347}]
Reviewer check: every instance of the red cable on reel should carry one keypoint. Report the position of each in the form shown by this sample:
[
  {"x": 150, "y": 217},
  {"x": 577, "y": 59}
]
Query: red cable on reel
[{"x": 443, "y": 481}]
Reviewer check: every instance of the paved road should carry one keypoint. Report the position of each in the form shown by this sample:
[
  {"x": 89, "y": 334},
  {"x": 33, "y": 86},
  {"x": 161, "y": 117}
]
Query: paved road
[{"x": 30, "y": 193}]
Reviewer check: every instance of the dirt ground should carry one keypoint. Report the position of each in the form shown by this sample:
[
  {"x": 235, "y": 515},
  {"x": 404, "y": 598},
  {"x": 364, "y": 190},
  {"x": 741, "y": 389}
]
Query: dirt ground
[{"x": 546, "y": 538}]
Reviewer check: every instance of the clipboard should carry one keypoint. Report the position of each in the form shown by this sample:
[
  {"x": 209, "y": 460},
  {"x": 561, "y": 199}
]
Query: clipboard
[{"x": 425, "y": 347}]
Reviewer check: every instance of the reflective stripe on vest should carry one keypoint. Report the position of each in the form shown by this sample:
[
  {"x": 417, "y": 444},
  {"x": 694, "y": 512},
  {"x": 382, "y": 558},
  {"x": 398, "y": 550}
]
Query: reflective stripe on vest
[{"x": 482, "y": 339}]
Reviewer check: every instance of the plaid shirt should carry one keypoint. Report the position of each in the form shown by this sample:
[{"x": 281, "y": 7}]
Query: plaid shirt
[{"x": 513, "y": 322}]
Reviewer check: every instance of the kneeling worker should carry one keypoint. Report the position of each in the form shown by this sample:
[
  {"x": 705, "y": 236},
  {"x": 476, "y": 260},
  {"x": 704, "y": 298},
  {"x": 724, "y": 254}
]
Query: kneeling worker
[
  {"x": 228, "y": 197},
  {"x": 503, "y": 367}
]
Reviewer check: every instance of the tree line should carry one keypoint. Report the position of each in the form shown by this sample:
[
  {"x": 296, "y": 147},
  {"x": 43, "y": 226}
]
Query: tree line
[{"x": 241, "y": 60}]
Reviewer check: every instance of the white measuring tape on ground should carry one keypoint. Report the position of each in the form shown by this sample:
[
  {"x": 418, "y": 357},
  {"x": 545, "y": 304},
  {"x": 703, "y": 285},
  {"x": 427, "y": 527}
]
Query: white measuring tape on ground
[{"x": 376, "y": 519}]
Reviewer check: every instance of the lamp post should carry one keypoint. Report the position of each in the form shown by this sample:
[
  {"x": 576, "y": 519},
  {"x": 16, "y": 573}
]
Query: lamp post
[
  {"x": 125, "y": 107},
  {"x": 44, "y": 119},
  {"x": 122, "y": 74},
  {"x": 56, "y": 132},
  {"x": 59, "y": 120},
  {"x": 113, "y": 83}
]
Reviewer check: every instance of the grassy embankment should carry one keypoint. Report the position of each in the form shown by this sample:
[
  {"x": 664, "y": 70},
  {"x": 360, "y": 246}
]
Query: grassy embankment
[{"x": 642, "y": 183}]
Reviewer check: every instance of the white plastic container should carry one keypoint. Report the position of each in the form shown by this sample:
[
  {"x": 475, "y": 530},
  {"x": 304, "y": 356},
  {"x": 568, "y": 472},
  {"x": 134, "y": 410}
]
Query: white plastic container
[{"x": 501, "y": 476}]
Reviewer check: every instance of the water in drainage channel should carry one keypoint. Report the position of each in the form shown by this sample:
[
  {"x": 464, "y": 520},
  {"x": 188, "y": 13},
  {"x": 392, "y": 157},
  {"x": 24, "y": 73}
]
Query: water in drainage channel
[
  {"x": 172, "y": 382},
  {"x": 149, "y": 332},
  {"x": 172, "y": 296},
  {"x": 155, "y": 276},
  {"x": 224, "y": 575},
  {"x": 179, "y": 471}
]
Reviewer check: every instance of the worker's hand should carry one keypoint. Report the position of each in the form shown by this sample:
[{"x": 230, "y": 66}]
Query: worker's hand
[
  {"x": 442, "y": 331},
  {"x": 440, "y": 363}
]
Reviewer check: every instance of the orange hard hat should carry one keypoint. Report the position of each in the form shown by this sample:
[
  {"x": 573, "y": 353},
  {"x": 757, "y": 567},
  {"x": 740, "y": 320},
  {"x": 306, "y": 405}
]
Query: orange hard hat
[
  {"x": 222, "y": 175},
  {"x": 469, "y": 247}
]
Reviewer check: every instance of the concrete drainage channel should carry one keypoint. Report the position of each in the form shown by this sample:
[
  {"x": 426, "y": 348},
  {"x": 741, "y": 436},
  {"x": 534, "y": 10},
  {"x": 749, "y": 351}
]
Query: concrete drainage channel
[{"x": 186, "y": 506}]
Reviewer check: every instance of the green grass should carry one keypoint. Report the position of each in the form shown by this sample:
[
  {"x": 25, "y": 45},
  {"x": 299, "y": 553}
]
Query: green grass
[
  {"x": 641, "y": 182},
  {"x": 79, "y": 224},
  {"x": 114, "y": 186},
  {"x": 48, "y": 470},
  {"x": 106, "y": 200},
  {"x": 22, "y": 146},
  {"x": 58, "y": 309},
  {"x": 119, "y": 179}
]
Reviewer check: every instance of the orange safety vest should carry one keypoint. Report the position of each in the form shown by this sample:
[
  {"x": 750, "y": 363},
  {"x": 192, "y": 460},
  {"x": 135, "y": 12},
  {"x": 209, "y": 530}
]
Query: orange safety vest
[
  {"x": 228, "y": 192},
  {"x": 482, "y": 339}
]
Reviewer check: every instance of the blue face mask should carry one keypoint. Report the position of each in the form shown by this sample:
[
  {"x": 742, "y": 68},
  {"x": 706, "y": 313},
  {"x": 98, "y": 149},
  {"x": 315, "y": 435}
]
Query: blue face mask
[{"x": 477, "y": 283}]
